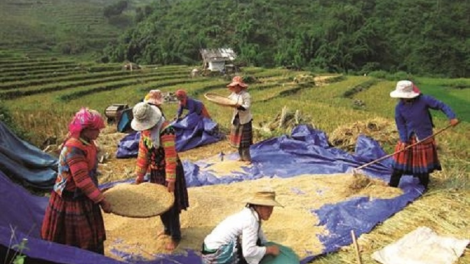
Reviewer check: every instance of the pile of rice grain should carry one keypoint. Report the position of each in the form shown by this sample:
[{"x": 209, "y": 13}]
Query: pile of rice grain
[
  {"x": 139, "y": 200},
  {"x": 295, "y": 225},
  {"x": 226, "y": 167}
]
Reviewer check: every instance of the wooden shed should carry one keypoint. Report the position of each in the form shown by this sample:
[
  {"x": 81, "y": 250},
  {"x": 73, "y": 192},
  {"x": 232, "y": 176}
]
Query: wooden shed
[{"x": 218, "y": 60}]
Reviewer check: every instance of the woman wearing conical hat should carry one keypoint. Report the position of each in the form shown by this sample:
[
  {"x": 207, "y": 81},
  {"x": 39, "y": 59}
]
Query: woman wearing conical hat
[
  {"x": 241, "y": 133},
  {"x": 239, "y": 238}
]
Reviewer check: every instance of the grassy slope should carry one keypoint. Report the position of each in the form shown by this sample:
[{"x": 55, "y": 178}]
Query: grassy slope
[
  {"x": 444, "y": 208},
  {"x": 37, "y": 27}
]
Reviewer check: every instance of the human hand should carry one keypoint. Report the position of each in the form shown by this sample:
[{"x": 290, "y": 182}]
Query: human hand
[
  {"x": 402, "y": 145},
  {"x": 454, "y": 121},
  {"x": 272, "y": 250},
  {"x": 171, "y": 186},
  {"x": 106, "y": 206}
]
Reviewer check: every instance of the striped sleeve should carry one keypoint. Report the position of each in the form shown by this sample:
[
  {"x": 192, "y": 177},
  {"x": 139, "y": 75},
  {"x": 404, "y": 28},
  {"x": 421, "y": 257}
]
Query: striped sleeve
[
  {"x": 79, "y": 170},
  {"x": 167, "y": 140},
  {"x": 143, "y": 159}
]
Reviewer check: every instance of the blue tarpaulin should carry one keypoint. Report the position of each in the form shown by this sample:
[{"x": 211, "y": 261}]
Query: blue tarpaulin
[
  {"x": 306, "y": 151},
  {"x": 25, "y": 162},
  {"x": 191, "y": 131}
]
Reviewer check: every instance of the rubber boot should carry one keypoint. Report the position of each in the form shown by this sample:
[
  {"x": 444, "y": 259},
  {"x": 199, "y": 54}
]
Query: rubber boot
[
  {"x": 395, "y": 179},
  {"x": 424, "y": 180}
]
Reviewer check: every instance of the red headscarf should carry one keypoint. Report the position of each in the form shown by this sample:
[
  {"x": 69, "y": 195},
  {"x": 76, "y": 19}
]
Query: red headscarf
[
  {"x": 182, "y": 93},
  {"x": 416, "y": 89}
]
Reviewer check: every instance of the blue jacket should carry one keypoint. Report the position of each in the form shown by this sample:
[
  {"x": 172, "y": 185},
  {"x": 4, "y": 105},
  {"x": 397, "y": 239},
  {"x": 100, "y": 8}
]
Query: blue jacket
[{"x": 414, "y": 117}]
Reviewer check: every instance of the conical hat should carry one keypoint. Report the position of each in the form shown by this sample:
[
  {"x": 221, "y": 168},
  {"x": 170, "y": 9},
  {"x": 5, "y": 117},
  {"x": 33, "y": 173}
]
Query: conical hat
[
  {"x": 266, "y": 198},
  {"x": 139, "y": 200}
]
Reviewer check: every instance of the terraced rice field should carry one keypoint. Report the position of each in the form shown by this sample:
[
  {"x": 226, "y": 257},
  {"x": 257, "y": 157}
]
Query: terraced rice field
[{"x": 44, "y": 93}]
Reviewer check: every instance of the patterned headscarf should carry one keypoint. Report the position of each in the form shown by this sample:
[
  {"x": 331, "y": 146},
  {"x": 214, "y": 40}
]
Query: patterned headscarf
[{"x": 85, "y": 118}]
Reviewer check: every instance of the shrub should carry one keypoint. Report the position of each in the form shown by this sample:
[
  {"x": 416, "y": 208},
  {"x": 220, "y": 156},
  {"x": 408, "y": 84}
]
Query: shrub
[
  {"x": 379, "y": 74},
  {"x": 400, "y": 75}
]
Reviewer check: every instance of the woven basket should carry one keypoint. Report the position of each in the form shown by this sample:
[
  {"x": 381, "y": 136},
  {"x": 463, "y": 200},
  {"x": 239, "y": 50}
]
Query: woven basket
[
  {"x": 139, "y": 200},
  {"x": 220, "y": 100}
]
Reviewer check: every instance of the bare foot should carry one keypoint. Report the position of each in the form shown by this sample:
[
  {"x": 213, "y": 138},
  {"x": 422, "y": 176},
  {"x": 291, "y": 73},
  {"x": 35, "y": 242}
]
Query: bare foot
[
  {"x": 248, "y": 162},
  {"x": 162, "y": 233},
  {"x": 172, "y": 245}
]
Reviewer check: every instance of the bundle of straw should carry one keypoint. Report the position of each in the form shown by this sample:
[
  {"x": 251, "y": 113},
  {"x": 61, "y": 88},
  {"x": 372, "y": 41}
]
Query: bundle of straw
[{"x": 380, "y": 129}]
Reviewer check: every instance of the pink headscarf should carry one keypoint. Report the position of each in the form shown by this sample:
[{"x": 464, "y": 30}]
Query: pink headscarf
[{"x": 85, "y": 118}]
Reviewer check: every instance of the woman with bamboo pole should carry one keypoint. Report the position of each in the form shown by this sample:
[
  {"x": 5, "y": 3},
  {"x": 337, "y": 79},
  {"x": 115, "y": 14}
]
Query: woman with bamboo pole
[{"x": 414, "y": 123}]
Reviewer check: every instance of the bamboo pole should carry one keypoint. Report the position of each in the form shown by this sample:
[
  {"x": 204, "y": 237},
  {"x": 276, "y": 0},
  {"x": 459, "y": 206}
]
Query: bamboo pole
[{"x": 356, "y": 247}]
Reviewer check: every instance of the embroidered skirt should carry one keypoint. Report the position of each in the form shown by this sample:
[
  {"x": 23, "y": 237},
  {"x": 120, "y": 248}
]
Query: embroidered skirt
[
  {"x": 76, "y": 222},
  {"x": 241, "y": 136},
  {"x": 419, "y": 159},
  {"x": 181, "y": 192},
  {"x": 226, "y": 254}
]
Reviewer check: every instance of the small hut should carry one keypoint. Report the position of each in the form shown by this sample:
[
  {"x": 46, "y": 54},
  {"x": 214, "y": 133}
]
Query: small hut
[{"x": 218, "y": 60}]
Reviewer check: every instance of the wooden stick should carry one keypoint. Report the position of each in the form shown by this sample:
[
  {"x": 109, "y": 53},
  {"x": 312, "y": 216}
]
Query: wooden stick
[
  {"x": 356, "y": 247},
  {"x": 407, "y": 147}
]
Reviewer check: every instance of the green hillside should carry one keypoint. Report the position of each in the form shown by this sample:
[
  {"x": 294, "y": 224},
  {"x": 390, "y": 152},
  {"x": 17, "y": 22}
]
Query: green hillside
[
  {"x": 61, "y": 27},
  {"x": 424, "y": 37}
]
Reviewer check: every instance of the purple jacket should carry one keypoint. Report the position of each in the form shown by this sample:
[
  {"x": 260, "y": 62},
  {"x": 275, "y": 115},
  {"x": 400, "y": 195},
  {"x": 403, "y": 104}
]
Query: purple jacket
[
  {"x": 192, "y": 105},
  {"x": 414, "y": 117}
]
